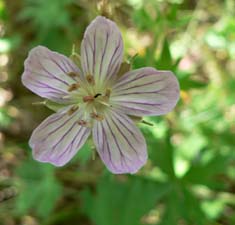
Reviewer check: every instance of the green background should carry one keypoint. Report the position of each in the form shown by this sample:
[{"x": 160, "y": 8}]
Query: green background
[{"x": 189, "y": 177}]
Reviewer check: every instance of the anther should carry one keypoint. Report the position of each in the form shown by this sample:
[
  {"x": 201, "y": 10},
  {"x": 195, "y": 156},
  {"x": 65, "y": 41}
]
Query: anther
[
  {"x": 108, "y": 92},
  {"x": 73, "y": 74},
  {"x": 88, "y": 98},
  {"x": 90, "y": 79},
  {"x": 73, "y": 87},
  {"x": 72, "y": 110},
  {"x": 97, "y": 116},
  {"x": 82, "y": 123}
]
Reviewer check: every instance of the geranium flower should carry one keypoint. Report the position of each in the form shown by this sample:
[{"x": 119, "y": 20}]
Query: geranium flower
[{"x": 97, "y": 101}]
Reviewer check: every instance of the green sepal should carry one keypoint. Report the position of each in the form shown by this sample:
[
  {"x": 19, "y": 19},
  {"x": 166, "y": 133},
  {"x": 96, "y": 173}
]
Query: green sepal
[
  {"x": 136, "y": 119},
  {"x": 132, "y": 58},
  {"x": 51, "y": 105},
  {"x": 75, "y": 57},
  {"x": 124, "y": 68},
  {"x": 147, "y": 123}
]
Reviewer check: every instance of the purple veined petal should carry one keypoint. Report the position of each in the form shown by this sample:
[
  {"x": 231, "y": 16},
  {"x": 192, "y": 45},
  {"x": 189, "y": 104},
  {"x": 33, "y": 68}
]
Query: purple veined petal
[
  {"x": 45, "y": 73},
  {"x": 58, "y": 138},
  {"x": 120, "y": 143},
  {"x": 102, "y": 49},
  {"x": 146, "y": 91}
]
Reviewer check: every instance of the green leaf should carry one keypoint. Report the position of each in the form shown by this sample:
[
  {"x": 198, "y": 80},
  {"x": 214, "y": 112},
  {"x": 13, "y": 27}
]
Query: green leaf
[
  {"x": 182, "y": 205},
  {"x": 206, "y": 173},
  {"x": 165, "y": 60},
  {"x": 39, "y": 189},
  {"x": 123, "y": 202},
  {"x": 161, "y": 152},
  {"x": 187, "y": 84},
  {"x": 5, "y": 119}
]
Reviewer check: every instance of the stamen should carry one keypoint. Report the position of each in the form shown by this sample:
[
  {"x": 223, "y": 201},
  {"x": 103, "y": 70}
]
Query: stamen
[
  {"x": 73, "y": 87},
  {"x": 97, "y": 116},
  {"x": 108, "y": 92},
  {"x": 90, "y": 79},
  {"x": 105, "y": 103},
  {"x": 66, "y": 97},
  {"x": 82, "y": 123},
  {"x": 72, "y": 110},
  {"x": 88, "y": 98},
  {"x": 73, "y": 74}
]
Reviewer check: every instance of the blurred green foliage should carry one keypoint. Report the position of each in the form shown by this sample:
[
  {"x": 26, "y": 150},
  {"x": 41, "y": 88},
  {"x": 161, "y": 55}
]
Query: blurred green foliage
[
  {"x": 39, "y": 189},
  {"x": 189, "y": 177}
]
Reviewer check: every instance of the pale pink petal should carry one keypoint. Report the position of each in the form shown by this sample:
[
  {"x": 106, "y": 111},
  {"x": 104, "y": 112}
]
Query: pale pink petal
[
  {"x": 146, "y": 91},
  {"x": 101, "y": 49},
  {"x": 58, "y": 138},
  {"x": 120, "y": 143},
  {"x": 45, "y": 73}
]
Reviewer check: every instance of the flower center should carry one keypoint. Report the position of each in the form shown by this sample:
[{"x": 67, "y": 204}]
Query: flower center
[{"x": 91, "y": 99}]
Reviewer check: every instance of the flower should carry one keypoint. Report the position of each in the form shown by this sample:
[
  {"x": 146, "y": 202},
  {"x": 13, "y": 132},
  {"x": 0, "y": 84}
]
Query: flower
[{"x": 97, "y": 101}]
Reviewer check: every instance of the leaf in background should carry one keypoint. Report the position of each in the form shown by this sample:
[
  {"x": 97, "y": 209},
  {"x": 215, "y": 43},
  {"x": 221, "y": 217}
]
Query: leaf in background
[
  {"x": 187, "y": 84},
  {"x": 3, "y": 13},
  {"x": 85, "y": 153},
  {"x": 182, "y": 206},
  {"x": 5, "y": 118},
  {"x": 123, "y": 202},
  {"x": 7, "y": 44},
  {"x": 161, "y": 152},
  {"x": 143, "y": 19},
  {"x": 208, "y": 173},
  {"x": 43, "y": 13},
  {"x": 39, "y": 189},
  {"x": 165, "y": 60}
]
